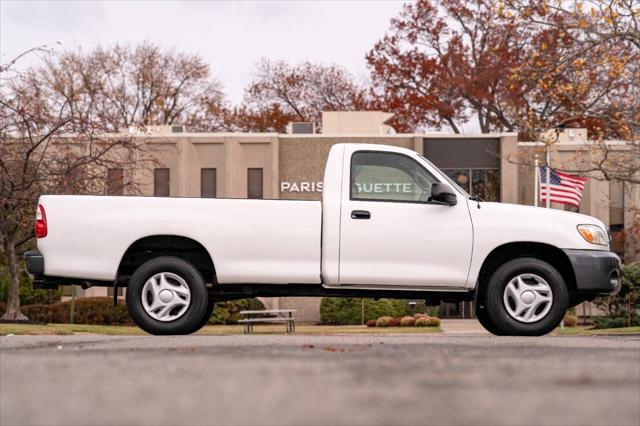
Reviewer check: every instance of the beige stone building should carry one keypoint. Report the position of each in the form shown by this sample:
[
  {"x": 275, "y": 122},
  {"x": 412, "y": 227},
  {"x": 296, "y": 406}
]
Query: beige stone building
[{"x": 290, "y": 166}]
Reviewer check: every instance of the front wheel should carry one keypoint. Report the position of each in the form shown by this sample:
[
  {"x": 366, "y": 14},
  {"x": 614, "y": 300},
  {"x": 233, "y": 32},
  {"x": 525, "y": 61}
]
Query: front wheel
[
  {"x": 483, "y": 317},
  {"x": 167, "y": 295},
  {"x": 526, "y": 297}
]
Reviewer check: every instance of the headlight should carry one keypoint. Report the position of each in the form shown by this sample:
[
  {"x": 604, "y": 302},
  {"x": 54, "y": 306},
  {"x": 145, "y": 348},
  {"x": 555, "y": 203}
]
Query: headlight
[{"x": 593, "y": 234}]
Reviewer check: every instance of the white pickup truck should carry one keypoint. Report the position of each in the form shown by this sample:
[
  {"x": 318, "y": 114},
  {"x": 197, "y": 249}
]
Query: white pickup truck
[{"x": 390, "y": 224}]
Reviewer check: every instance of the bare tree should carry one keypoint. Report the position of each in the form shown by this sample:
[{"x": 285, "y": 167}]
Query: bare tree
[
  {"x": 125, "y": 86},
  {"x": 48, "y": 144},
  {"x": 283, "y": 92}
]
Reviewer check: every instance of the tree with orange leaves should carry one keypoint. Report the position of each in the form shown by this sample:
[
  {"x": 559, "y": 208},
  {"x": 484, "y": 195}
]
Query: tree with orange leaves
[
  {"x": 515, "y": 66},
  {"x": 443, "y": 62}
]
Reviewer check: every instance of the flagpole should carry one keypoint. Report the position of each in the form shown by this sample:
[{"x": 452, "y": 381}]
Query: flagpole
[
  {"x": 548, "y": 159},
  {"x": 536, "y": 183},
  {"x": 548, "y": 181}
]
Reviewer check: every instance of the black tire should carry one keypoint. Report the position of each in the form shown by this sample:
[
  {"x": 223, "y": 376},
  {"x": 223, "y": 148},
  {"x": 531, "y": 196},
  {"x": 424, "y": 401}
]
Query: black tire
[
  {"x": 195, "y": 311},
  {"x": 485, "y": 321},
  {"x": 211, "y": 304},
  {"x": 497, "y": 312}
]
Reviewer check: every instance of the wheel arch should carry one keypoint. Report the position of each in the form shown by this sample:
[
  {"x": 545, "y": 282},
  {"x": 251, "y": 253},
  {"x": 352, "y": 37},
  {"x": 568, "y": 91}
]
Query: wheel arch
[
  {"x": 152, "y": 246},
  {"x": 509, "y": 251}
]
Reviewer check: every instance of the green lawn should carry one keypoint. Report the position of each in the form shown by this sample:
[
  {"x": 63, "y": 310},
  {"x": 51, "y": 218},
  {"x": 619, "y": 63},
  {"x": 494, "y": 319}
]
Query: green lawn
[
  {"x": 220, "y": 330},
  {"x": 580, "y": 331}
]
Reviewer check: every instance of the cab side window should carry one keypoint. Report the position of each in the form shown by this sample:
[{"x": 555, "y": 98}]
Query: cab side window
[{"x": 387, "y": 176}]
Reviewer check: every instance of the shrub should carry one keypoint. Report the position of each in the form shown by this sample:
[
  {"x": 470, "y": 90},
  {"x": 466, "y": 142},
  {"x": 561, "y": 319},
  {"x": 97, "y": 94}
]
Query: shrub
[
  {"x": 407, "y": 321},
  {"x": 427, "y": 322},
  {"x": 394, "y": 322},
  {"x": 570, "y": 321},
  {"x": 607, "y": 322},
  {"x": 228, "y": 312},
  {"x": 89, "y": 310},
  {"x": 617, "y": 307},
  {"x": 383, "y": 321},
  {"x": 348, "y": 311},
  {"x": 371, "y": 323},
  {"x": 28, "y": 295}
]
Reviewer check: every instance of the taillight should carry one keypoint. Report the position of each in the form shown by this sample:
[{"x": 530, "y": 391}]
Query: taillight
[{"x": 41, "y": 222}]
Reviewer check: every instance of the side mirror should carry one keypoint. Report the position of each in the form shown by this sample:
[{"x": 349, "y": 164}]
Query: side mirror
[{"x": 442, "y": 193}]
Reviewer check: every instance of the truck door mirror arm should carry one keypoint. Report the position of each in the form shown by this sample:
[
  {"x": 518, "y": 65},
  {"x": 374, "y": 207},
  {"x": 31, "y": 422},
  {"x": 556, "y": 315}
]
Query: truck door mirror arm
[{"x": 442, "y": 194}]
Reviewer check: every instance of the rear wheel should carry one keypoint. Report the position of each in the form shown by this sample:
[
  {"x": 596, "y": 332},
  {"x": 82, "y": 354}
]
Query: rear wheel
[
  {"x": 167, "y": 295},
  {"x": 526, "y": 297}
]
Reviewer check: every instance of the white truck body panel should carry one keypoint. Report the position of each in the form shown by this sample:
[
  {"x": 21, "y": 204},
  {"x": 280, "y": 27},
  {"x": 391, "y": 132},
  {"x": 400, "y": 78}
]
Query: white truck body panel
[{"x": 250, "y": 241}]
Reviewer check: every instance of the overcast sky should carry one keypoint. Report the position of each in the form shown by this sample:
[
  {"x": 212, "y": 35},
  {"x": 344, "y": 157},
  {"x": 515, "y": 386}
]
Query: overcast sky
[{"x": 231, "y": 36}]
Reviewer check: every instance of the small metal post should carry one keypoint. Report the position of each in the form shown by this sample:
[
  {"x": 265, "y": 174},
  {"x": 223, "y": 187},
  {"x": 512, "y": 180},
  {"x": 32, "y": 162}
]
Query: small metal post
[
  {"x": 72, "y": 314},
  {"x": 548, "y": 183}
]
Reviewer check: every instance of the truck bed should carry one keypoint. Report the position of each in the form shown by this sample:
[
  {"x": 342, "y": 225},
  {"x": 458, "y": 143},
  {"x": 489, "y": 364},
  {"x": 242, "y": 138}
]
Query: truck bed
[{"x": 250, "y": 241}]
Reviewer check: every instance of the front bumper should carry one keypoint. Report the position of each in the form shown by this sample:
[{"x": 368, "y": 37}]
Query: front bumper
[{"x": 596, "y": 271}]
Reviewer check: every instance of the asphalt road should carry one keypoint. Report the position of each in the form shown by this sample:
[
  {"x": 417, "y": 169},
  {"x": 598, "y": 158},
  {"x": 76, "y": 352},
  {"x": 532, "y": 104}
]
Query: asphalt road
[{"x": 267, "y": 379}]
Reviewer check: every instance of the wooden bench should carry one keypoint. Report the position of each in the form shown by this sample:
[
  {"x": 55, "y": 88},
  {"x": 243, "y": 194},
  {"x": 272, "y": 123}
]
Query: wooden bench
[{"x": 284, "y": 316}]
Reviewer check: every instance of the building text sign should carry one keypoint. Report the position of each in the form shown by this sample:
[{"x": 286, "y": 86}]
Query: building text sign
[
  {"x": 376, "y": 188},
  {"x": 301, "y": 186}
]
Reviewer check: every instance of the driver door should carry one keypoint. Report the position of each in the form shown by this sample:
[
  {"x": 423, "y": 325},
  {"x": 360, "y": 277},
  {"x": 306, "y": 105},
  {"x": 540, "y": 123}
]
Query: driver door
[{"x": 392, "y": 234}]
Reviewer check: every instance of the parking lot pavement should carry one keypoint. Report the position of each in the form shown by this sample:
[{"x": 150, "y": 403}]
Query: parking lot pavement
[{"x": 362, "y": 379}]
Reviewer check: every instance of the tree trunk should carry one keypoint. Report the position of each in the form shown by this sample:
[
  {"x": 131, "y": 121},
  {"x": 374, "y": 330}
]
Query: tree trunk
[{"x": 13, "y": 303}]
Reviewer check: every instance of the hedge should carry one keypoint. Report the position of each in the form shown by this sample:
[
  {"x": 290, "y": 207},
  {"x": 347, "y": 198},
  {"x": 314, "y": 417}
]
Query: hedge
[
  {"x": 348, "y": 311},
  {"x": 100, "y": 310},
  {"x": 89, "y": 310}
]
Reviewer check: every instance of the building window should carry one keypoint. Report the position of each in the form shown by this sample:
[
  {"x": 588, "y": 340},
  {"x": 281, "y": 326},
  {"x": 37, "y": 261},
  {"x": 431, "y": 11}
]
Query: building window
[
  {"x": 483, "y": 183},
  {"x": 208, "y": 183},
  {"x": 254, "y": 183},
  {"x": 461, "y": 177},
  {"x": 115, "y": 182},
  {"x": 161, "y": 181},
  {"x": 377, "y": 176}
]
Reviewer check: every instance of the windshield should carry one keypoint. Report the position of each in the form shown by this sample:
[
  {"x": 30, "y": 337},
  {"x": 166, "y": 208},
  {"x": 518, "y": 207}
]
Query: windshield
[{"x": 447, "y": 178}]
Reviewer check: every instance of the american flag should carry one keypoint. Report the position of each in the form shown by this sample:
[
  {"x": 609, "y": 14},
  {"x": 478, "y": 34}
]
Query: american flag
[{"x": 562, "y": 188}]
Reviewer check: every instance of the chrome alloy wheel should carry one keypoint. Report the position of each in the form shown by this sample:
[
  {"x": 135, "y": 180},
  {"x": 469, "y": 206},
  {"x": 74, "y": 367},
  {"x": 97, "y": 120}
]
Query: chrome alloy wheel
[
  {"x": 166, "y": 296},
  {"x": 528, "y": 298}
]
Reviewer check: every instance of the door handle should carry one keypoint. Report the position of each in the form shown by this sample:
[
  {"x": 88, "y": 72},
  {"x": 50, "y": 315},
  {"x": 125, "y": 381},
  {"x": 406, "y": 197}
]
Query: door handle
[{"x": 360, "y": 214}]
